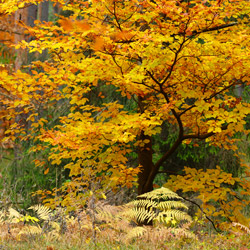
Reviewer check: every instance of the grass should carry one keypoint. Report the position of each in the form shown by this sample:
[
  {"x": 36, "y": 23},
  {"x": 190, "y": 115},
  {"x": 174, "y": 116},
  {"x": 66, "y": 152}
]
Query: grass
[
  {"x": 213, "y": 242},
  {"x": 78, "y": 234}
]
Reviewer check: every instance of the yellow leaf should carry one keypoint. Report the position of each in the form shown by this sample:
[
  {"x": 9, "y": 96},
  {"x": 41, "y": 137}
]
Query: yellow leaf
[
  {"x": 88, "y": 240},
  {"x": 104, "y": 196}
]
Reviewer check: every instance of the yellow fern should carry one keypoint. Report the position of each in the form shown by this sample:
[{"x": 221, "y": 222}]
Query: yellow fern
[
  {"x": 160, "y": 205},
  {"x": 30, "y": 230},
  {"x": 163, "y": 211},
  {"x": 241, "y": 227},
  {"x": 135, "y": 232},
  {"x": 43, "y": 213},
  {"x": 13, "y": 216}
]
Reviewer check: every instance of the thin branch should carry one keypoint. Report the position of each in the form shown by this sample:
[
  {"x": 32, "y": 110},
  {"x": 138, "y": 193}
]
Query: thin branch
[
  {"x": 194, "y": 33},
  {"x": 114, "y": 60},
  {"x": 223, "y": 26},
  {"x": 156, "y": 167},
  {"x": 196, "y": 204},
  {"x": 167, "y": 154},
  {"x": 148, "y": 86},
  {"x": 7, "y": 96},
  {"x": 202, "y": 136},
  {"x": 116, "y": 18},
  {"x": 25, "y": 6},
  {"x": 4, "y": 41},
  {"x": 126, "y": 41},
  {"x": 212, "y": 96},
  {"x": 217, "y": 93},
  {"x": 153, "y": 78},
  {"x": 11, "y": 32},
  {"x": 174, "y": 62}
]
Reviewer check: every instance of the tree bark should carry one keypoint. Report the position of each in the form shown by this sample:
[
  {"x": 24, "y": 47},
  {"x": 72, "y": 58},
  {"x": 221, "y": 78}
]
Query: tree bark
[
  {"x": 145, "y": 157},
  {"x": 32, "y": 15},
  {"x": 43, "y": 11},
  {"x": 21, "y": 55}
]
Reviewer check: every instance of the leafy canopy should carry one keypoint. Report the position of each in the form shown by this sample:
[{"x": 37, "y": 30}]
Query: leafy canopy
[{"x": 181, "y": 58}]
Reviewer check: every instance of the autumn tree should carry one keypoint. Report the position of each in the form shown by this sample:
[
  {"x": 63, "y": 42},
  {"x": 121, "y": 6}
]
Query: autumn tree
[{"x": 179, "y": 61}]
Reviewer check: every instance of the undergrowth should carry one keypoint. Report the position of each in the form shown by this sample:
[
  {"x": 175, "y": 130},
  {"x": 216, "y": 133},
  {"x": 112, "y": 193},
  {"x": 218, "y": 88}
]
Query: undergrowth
[{"x": 113, "y": 227}]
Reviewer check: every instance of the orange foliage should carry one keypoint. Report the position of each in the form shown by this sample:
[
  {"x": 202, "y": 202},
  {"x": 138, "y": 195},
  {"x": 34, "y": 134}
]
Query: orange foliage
[
  {"x": 176, "y": 60},
  {"x": 215, "y": 188}
]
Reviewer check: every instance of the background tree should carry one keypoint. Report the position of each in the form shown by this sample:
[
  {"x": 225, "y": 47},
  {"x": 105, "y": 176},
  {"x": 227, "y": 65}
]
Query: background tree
[{"x": 17, "y": 166}]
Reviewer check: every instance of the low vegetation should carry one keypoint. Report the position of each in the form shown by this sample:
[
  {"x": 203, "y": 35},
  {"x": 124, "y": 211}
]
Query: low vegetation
[{"x": 116, "y": 227}]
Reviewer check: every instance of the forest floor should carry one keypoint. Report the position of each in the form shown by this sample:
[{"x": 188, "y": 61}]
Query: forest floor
[{"x": 79, "y": 241}]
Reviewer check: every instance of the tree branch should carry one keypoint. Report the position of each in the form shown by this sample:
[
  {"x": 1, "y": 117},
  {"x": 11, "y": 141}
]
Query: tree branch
[
  {"x": 196, "y": 204},
  {"x": 202, "y": 136},
  {"x": 174, "y": 62},
  {"x": 195, "y": 32},
  {"x": 210, "y": 97},
  {"x": 11, "y": 31},
  {"x": 223, "y": 26},
  {"x": 7, "y": 96}
]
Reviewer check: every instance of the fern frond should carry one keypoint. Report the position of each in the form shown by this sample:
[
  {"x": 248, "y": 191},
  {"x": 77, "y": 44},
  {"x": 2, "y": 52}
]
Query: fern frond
[
  {"x": 161, "y": 193},
  {"x": 242, "y": 227},
  {"x": 145, "y": 203},
  {"x": 2, "y": 216},
  {"x": 14, "y": 214},
  {"x": 43, "y": 213},
  {"x": 53, "y": 235},
  {"x": 166, "y": 216},
  {"x": 142, "y": 214},
  {"x": 103, "y": 214},
  {"x": 110, "y": 213},
  {"x": 30, "y": 230},
  {"x": 160, "y": 205},
  {"x": 55, "y": 226},
  {"x": 135, "y": 232},
  {"x": 164, "y": 205}
]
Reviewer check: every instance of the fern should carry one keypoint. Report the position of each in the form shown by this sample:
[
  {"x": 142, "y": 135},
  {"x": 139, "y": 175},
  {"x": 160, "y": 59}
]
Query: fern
[
  {"x": 160, "y": 205},
  {"x": 241, "y": 227},
  {"x": 135, "y": 232},
  {"x": 43, "y": 213},
  {"x": 161, "y": 193},
  {"x": 13, "y": 215},
  {"x": 30, "y": 230}
]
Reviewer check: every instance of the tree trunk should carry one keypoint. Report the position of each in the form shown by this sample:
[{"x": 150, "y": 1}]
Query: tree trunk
[
  {"x": 43, "y": 11},
  {"x": 21, "y": 55},
  {"x": 32, "y": 15},
  {"x": 145, "y": 157},
  {"x": 43, "y": 15},
  {"x": 56, "y": 8}
]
